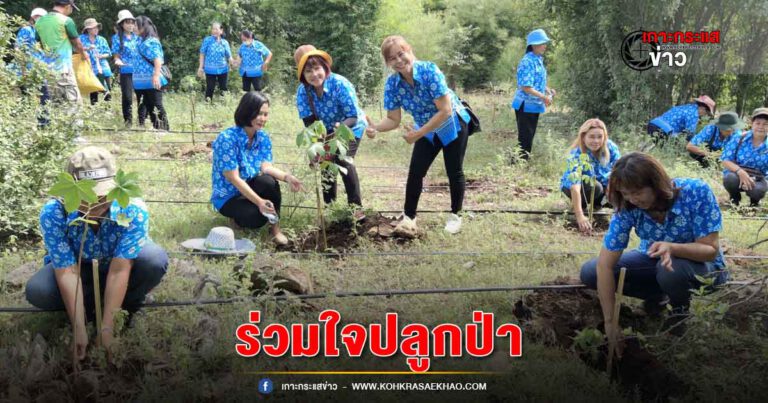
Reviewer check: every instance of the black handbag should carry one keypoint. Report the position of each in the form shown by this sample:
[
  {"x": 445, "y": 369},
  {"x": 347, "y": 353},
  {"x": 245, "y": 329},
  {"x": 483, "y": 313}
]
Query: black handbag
[{"x": 474, "y": 122}]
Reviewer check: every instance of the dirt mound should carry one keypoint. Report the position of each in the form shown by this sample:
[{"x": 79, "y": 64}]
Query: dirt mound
[
  {"x": 556, "y": 317},
  {"x": 344, "y": 236},
  {"x": 187, "y": 151}
]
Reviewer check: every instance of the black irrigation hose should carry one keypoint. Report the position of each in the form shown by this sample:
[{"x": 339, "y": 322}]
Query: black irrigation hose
[{"x": 290, "y": 164}]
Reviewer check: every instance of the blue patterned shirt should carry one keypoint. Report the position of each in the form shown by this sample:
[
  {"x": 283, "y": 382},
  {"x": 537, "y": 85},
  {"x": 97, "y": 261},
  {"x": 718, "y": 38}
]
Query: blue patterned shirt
[
  {"x": 428, "y": 85},
  {"x": 62, "y": 240},
  {"x": 230, "y": 152},
  {"x": 598, "y": 170},
  {"x": 694, "y": 214},
  {"x": 748, "y": 156},
  {"x": 253, "y": 57},
  {"x": 710, "y": 137},
  {"x": 339, "y": 102},
  {"x": 678, "y": 118},
  {"x": 151, "y": 49},
  {"x": 102, "y": 48},
  {"x": 26, "y": 41},
  {"x": 217, "y": 55},
  {"x": 129, "y": 53},
  {"x": 530, "y": 73}
]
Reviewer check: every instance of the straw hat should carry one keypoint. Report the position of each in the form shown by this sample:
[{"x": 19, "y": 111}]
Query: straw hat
[
  {"x": 304, "y": 52},
  {"x": 706, "y": 102},
  {"x": 91, "y": 23},
  {"x": 220, "y": 241},
  {"x": 123, "y": 15},
  {"x": 763, "y": 112}
]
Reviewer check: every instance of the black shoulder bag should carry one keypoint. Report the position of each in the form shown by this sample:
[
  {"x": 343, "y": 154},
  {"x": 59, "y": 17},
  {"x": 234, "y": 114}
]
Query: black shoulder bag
[
  {"x": 164, "y": 70},
  {"x": 474, "y": 122}
]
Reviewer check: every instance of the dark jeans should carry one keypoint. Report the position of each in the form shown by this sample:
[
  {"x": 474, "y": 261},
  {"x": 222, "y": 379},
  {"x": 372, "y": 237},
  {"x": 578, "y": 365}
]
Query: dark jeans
[
  {"x": 150, "y": 100},
  {"x": 350, "y": 179},
  {"x": 586, "y": 194},
  {"x": 702, "y": 160},
  {"x": 148, "y": 269},
  {"x": 648, "y": 280},
  {"x": 244, "y": 212},
  {"x": 107, "y": 83},
  {"x": 424, "y": 153},
  {"x": 210, "y": 84},
  {"x": 526, "y": 130},
  {"x": 43, "y": 117},
  {"x": 251, "y": 82},
  {"x": 731, "y": 184}
]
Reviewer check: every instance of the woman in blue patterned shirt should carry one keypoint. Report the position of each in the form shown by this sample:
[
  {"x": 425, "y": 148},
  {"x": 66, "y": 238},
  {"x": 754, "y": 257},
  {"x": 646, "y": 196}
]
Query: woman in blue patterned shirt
[
  {"x": 678, "y": 222},
  {"x": 253, "y": 58},
  {"x": 713, "y": 138},
  {"x": 148, "y": 81},
  {"x": 419, "y": 87},
  {"x": 602, "y": 153},
  {"x": 532, "y": 96},
  {"x": 99, "y": 53},
  {"x": 331, "y": 98},
  {"x": 215, "y": 58},
  {"x": 244, "y": 181},
  {"x": 745, "y": 161},
  {"x": 125, "y": 44},
  {"x": 681, "y": 118}
]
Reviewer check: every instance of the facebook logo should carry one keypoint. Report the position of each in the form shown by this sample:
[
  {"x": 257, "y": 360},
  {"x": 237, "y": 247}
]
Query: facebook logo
[{"x": 265, "y": 386}]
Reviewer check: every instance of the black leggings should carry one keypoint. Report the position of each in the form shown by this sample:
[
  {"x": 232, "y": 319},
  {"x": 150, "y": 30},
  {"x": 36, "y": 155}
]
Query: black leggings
[
  {"x": 424, "y": 153},
  {"x": 107, "y": 83},
  {"x": 526, "y": 130},
  {"x": 210, "y": 83},
  {"x": 244, "y": 212},
  {"x": 151, "y": 100},
  {"x": 251, "y": 82},
  {"x": 351, "y": 181}
]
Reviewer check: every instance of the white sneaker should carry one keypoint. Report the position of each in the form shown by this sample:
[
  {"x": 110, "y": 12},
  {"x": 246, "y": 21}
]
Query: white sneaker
[{"x": 453, "y": 224}]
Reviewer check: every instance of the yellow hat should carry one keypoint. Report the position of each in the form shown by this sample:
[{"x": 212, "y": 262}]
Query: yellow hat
[{"x": 303, "y": 53}]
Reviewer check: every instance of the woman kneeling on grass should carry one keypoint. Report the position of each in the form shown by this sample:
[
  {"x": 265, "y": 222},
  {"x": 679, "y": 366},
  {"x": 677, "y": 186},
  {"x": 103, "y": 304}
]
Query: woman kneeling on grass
[
  {"x": 678, "y": 222},
  {"x": 245, "y": 184},
  {"x": 592, "y": 141},
  {"x": 419, "y": 87}
]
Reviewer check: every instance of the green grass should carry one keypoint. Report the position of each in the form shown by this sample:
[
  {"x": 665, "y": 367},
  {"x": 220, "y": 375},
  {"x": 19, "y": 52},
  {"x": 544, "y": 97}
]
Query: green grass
[{"x": 197, "y": 358}]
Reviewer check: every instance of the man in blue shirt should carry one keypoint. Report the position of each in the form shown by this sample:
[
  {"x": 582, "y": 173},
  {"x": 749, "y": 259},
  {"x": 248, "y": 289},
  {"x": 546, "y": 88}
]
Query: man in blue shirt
[
  {"x": 714, "y": 137},
  {"x": 130, "y": 265}
]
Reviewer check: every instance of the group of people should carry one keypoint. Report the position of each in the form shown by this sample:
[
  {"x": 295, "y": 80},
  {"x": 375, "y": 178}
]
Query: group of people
[{"x": 677, "y": 219}]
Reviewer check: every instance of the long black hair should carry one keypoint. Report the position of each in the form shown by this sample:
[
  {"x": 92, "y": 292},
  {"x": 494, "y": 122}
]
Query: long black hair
[
  {"x": 144, "y": 23},
  {"x": 121, "y": 33}
]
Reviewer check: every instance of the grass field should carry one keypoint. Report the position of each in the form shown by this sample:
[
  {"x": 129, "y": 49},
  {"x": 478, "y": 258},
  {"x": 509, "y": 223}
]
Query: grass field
[{"x": 188, "y": 352}]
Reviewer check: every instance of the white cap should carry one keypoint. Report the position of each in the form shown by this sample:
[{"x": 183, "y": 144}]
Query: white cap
[
  {"x": 124, "y": 15},
  {"x": 38, "y": 12}
]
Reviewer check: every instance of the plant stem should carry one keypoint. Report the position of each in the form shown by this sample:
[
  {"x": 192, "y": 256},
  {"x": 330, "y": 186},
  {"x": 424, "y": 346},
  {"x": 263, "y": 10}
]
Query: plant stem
[
  {"x": 75, "y": 323},
  {"x": 97, "y": 298},
  {"x": 320, "y": 214}
]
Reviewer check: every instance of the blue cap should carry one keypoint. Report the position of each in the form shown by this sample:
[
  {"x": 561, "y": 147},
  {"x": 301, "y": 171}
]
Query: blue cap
[{"x": 537, "y": 37}]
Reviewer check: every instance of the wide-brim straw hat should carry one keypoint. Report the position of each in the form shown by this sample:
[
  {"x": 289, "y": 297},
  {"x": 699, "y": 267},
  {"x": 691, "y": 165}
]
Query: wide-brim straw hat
[
  {"x": 91, "y": 23},
  {"x": 304, "y": 52},
  {"x": 220, "y": 241},
  {"x": 707, "y": 102}
]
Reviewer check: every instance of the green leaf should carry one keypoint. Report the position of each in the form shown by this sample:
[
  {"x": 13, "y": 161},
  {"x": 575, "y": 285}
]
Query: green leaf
[
  {"x": 123, "y": 220},
  {"x": 334, "y": 146},
  {"x": 126, "y": 186},
  {"x": 343, "y": 132},
  {"x": 318, "y": 128},
  {"x": 74, "y": 192}
]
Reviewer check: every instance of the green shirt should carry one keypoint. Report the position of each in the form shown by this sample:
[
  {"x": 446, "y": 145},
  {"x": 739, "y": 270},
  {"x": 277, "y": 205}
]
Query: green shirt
[{"x": 55, "y": 30}]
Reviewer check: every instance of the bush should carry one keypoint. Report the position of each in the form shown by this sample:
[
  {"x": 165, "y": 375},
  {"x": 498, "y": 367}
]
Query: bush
[{"x": 29, "y": 157}]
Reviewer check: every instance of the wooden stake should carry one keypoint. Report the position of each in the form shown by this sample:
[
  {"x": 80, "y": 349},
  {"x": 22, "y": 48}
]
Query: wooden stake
[
  {"x": 616, "y": 312},
  {"x": 97, "y": 298}
]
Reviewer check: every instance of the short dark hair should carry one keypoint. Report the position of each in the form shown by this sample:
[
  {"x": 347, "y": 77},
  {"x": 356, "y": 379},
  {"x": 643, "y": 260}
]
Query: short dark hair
[
  {"x": 247, "y": 33},
  {"x": 249, "y": 107},
  {"x": 638, "y": 170},
  {"x": 313, "y": 61}
]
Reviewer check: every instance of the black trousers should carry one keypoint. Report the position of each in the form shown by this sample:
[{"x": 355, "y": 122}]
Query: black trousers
[
  {"x": 350, "y": 179},
  {"x": 107, "y": 83},
  {"x": 210, "y": 83},
  {"x": 424, "y": 153},
  {"x": 586, "y": 195},
  {"x": 251, "y": 82},
  {"x": 731, "y": 183},
  {"x": 526, "y": 130},
  {"x": 152, "y": 102},
  {"x": 244, "y": 212}
]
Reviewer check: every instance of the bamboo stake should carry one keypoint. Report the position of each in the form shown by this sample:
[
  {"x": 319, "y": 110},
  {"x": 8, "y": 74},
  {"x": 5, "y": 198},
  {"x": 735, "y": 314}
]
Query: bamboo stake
[
  {"x": 97, "y": 298},
  {"x": 616, "y": 311}
]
